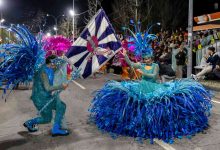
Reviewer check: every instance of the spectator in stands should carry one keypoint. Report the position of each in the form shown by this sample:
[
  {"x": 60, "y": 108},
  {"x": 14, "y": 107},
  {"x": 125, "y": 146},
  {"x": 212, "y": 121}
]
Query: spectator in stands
[
  {"x": 212, "y": 60},
  {"x": 204, "y": 40},
  {"x": 165, "y": 61},
  {"x": 210, "y": 37},
  {"x": 215, "y": 35},
  {"x": 166, "y": 57},
  {"x": 180, "y": 61},
  {"x": 218, "y": 34},
  {"x": 216, "y": 71},
  {"x": 157, "y": 54}
]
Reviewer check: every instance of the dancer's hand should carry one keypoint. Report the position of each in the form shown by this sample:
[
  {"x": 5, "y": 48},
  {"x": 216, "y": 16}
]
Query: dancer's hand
[
  {"x": 123, "y": 52},
  {"x": 217, "y": 67},
  {"x": 139, "y": 70},
  {"x": 64, "y": 85},
  {"x": 206, "y": 56}
]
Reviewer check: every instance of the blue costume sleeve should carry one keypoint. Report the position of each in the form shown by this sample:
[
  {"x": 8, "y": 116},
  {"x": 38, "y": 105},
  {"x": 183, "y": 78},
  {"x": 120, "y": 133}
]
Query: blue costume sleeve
[
  {"x": 60, "y": 62},
  {"x": 135, "y": 65},
  {"x": 47, "y": 86}
]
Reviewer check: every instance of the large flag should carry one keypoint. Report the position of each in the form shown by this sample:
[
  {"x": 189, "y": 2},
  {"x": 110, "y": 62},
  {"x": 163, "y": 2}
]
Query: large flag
[{"x": 95, "y": 46}]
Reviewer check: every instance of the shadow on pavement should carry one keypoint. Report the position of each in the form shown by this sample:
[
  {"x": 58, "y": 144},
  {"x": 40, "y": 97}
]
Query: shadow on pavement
[
  {"x": 43, "y": 141},
  {"x": 12, "y": 143}
]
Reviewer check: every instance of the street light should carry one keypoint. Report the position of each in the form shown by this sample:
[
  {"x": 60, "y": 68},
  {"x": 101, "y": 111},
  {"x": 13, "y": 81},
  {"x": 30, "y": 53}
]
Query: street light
[
  {"x": 48, "y": 34},
  {"x": 55, "y": 28},
  {"x": 73, "y": 21},
  {"x": 2, "y": 20},
  {"x": 158, "y": 23},
  {"x": 1, "y": 3},
  {"x": 72, "y": 13},
  {"x": 56, "y": 20}
]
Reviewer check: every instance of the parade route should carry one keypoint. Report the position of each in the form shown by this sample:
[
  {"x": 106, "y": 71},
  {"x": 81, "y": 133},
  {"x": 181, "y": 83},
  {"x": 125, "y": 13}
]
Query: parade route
[{"x": 84, "y": 135}]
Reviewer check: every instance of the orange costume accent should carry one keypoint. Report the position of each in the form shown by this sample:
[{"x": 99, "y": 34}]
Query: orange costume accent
[
  {"x": 135, "y": 74},
  {"x": 125, "y": 73},
  {"x": 103, "y": 69}
]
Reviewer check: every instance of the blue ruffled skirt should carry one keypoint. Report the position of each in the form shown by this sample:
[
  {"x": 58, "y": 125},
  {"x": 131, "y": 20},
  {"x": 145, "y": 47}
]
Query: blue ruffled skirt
[{"x": 150, "y": 110}]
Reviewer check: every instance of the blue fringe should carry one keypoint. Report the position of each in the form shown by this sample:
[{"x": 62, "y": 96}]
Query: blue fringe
[
  {"x": 20, "y": 60},
  {"x": 150, "y": 110}
]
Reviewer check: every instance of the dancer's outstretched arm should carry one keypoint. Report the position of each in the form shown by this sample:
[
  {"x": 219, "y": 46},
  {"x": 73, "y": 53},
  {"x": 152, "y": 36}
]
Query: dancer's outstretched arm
[{"x": 134, "y": 65}]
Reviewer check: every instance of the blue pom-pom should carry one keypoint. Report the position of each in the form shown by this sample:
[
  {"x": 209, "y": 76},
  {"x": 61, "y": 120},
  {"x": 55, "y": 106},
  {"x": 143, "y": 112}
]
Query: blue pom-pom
[
  {"x": 23, "y": 59},
  {"x": 150, "y": 110}
]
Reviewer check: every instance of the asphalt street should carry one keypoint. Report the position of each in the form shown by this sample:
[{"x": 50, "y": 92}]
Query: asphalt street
[{"x": 84, "y": 135}]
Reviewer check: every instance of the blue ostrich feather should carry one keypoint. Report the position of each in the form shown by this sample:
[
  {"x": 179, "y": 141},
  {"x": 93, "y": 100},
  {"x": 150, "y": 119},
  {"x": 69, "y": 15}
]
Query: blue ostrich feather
[
  {"x": 141, "y": 41},
  {"x": 22, "y": 59},
  {"x": 150, "y": 110}
]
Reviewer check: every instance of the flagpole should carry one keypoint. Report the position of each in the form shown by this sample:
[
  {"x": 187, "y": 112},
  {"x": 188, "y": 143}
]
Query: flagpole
[
  {"x": 190, "y": 38},
  {"x": 73, "y": 22}
]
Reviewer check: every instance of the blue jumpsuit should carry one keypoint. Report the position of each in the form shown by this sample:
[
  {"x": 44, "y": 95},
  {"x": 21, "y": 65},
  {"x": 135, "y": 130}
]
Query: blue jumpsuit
[{"x": 42, "y": 93}]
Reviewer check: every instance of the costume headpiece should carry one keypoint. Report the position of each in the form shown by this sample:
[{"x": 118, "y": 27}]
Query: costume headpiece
[
  {"x": 140, "y": 41},
  {"x": 22, "y": 58},
  {"x": 56, "y": 45}
]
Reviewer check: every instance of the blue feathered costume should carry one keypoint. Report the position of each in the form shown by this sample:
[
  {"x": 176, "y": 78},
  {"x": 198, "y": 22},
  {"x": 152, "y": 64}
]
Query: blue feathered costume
[
  {"x": 24, "y": 62},
  {"x": 146, "y": 109}
]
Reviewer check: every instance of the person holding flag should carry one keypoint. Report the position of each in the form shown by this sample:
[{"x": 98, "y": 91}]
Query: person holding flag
[
  {"x": 45, "y": 101},
  {"x": 25, "y": 62}
]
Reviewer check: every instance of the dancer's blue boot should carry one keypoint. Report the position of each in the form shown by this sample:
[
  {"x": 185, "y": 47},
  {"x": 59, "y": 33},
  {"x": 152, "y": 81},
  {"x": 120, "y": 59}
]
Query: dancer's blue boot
[
  {"x": 57, "y": 131},
  {"x": 30, "y": 125}
]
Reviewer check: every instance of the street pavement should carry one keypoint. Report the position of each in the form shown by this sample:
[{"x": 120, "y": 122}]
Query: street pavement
[{"x": 84, "y": 135}]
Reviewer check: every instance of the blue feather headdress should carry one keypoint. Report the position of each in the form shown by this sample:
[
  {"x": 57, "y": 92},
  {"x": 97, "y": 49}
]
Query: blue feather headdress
[
  {"x": 141, "y": 41},
  {"x": 22, "y": 59}
]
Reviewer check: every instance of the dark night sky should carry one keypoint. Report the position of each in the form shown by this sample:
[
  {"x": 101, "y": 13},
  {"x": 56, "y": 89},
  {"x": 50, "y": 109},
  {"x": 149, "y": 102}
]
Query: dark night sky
[{"x": 16, "y": 11}]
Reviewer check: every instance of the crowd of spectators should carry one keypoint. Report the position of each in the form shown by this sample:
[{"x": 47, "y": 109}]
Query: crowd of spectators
[
  {"x": 170, "y": 51},
  {"x": 205, "y": 38}
]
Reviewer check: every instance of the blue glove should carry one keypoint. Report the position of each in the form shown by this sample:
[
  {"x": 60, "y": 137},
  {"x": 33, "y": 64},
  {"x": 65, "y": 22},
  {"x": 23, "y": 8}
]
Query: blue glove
[{"x": 76, "y": 74}]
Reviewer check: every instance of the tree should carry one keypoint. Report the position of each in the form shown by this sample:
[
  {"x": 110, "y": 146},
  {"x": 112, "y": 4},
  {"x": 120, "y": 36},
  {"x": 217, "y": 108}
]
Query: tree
[
  {"x": 92, "y": 5},
  {"x": 125, "y": 10},
  {"x": 65, "y": 27},
  {"x": 121, "y": 14},
  {"x": 171, "y": 13},
  {"x": 35, "y": 24}
]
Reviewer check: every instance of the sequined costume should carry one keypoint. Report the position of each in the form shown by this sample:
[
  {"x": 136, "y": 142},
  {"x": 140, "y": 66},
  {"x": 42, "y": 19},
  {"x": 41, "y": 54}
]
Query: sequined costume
[
  {"x": 147, "y": 109},
  {"x": 23, "y": 62},
  {"x": 42, "y": 94}
]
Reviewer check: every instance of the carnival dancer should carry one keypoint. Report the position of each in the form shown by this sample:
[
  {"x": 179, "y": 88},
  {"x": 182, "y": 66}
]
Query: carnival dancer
[
  {"x": 124, "y": 65},
  {"x": 42, "y": 94},
  {"x": 59, "y": 45},
  {"x": 147, "y": 109},
  {"x": 127, "y": 72},
  {"x": 25, "y": 62}
]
